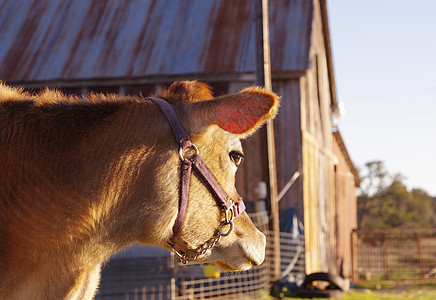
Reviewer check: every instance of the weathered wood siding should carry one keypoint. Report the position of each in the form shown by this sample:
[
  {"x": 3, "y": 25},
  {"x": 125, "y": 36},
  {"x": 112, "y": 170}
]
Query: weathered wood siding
[
  {"x": 304, "y": 142},
  {"x": 288, "y": 144},
  {"x": 311, "y": 203},
  {"x": 346, "y": 208},
  {"x": 318, "y": 158}
]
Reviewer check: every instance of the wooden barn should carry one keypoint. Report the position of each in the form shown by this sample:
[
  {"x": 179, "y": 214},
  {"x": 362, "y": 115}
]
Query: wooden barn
[{"x": 132, "y": 47}]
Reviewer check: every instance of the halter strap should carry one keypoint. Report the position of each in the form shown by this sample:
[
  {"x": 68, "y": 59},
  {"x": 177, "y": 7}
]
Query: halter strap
[
  {"x": 197, "y": 162},
  {"x": 179, "y": 131}
]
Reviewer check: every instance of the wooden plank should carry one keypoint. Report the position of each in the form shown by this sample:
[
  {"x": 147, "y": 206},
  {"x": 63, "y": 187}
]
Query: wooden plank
[
  {"x": 288, "y": 144},
  {"x": 311, "y": 204},
  {"x": 263, "y": 78}
]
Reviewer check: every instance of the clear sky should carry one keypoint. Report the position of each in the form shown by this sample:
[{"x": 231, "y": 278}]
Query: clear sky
[{"x": 384, "y": 56}]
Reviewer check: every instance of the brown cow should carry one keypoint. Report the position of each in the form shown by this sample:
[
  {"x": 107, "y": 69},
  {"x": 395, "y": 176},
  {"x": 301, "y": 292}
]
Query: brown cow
[{"x": 81, "y": 179}]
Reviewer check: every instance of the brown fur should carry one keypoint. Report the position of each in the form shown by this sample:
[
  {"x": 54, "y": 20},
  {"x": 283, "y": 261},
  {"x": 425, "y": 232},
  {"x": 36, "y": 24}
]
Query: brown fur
[{"x": 81, "y": 179}]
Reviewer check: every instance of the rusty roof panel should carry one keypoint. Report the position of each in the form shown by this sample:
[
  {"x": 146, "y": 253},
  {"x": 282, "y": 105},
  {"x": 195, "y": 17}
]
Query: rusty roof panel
[{"x": 66, "y": 39}]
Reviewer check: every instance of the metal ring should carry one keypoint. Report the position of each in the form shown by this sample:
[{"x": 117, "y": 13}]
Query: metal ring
[
  {"x": 231, "y": 210},
  {"x": 181, "y": 151},
  {"x": 230, "y": 229},
  {"x": 182, "y": 257}
]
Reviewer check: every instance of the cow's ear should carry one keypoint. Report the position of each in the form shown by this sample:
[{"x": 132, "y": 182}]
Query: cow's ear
[{"x": 240, "y": 113}]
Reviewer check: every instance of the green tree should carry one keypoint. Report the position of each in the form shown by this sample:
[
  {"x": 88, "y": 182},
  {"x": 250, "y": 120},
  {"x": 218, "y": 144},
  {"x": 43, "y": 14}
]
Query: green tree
[
  {"x": 384, "y": 205},
  {"x": 426, "y": 210},
  {"x": 375, "y": 179}
]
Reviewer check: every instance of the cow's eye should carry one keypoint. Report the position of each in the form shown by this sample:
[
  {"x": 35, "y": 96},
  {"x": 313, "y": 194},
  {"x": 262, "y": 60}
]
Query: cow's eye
[{"x": 236, "y": 157}]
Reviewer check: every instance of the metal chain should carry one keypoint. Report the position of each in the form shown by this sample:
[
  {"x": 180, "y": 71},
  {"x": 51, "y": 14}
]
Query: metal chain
[{"x": 184, "y": 258}]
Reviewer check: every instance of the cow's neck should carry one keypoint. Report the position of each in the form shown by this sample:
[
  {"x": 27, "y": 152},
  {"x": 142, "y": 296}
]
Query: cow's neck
[{"x": 85, "y": 185}]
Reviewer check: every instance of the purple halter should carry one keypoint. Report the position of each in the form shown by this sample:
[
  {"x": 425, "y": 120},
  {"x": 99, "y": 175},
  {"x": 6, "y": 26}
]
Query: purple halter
[{"x": 232, "y": 209}]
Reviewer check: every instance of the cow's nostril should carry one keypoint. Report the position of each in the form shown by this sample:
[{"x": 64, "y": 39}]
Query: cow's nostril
[
  {"x": 258, "y": 260},
  {"x": 254, "y": 263}
]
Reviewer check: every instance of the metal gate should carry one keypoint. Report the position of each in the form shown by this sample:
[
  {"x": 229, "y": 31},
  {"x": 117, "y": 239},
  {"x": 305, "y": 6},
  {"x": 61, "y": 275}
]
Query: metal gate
[{"x": 394, "y": 255}]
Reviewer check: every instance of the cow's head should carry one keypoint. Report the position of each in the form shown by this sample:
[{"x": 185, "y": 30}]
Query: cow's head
[{"x": 216, "y": 126}]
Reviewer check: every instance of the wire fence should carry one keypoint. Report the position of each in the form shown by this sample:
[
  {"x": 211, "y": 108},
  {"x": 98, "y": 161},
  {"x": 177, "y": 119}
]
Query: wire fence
[
  {"x": 251, "y": 284},
  {"x": 394, "y": 255},
  {"x": 162, "y": 278}
]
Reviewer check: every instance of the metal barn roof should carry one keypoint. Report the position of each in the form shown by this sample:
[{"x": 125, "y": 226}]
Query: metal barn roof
[{"x": 68, "y": 40}]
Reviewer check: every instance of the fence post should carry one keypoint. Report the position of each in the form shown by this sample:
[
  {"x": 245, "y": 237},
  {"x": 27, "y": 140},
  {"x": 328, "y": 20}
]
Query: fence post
[
  {"x": 421, "y": 262},
  {"x": 386, "y": 255},
  {"x": 354, "y": 261},
  {"x": 172, "y": 263}
]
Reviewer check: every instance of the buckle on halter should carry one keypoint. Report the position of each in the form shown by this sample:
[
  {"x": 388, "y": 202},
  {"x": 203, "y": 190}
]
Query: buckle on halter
[{"x": 232, "y": 213}]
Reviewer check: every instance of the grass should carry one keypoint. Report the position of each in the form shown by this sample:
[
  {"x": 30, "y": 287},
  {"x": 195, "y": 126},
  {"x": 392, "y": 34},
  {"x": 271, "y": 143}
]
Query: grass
[
  {"x": 409, "y": 295},
  {"x": 391, "y": 295},
  {"x": 387, "y": 291}
]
